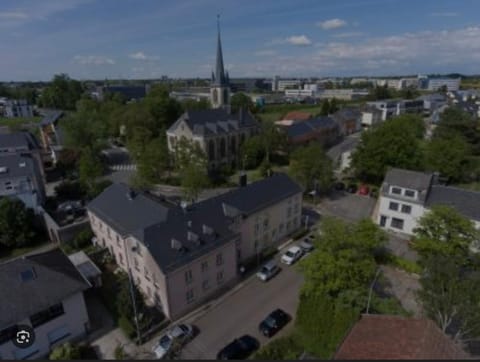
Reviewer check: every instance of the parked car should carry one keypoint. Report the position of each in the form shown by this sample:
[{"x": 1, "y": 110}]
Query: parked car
[
  {"x": 291, "y": 255},
  {"x": 178, "y": 334},
  {"x": 268, "y": 271},
  {"x": 352, "y": 188},
  {"x": 239, "y": 348},
  {"x": 306, "y": 245},
  {"x": 273, "y": 323},
  {"x": 364, "y": 190}
]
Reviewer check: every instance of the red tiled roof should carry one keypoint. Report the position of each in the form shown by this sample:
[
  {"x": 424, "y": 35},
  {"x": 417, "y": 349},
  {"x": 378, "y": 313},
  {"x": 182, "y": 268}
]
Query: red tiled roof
[
  {"x": 394, "y": 337},
  {"x": 297, "y": 116}
]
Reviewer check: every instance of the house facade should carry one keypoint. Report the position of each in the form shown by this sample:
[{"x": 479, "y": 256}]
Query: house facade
[
  {"x": 406, "y": 196},
  {"x": 44, "y": 292},
  {"x": 349, "y": 120},
  {"x": 180, "y": 257},
  {"x": 18, "y": 108}
]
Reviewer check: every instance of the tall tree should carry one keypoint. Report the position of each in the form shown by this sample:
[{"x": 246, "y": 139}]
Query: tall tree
[
  {"x": 395, "y": 143},
  {"x": 252, "y": 152},
  {"x": 241, "y": 100},
  {"x": 90, "y": 168},
  {"x": 16, "y": 223},
  {"x": 312, "y": 167},
  {"x": 62, "y": 93},
  {"x": 154, "y": 160},
  {"x": 325, "y": 110}
]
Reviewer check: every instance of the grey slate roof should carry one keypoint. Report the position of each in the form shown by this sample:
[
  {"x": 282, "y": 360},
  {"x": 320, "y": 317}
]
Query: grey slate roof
[
  {"x": 18, "y": 140},
  {"x": 17, "y": 166},
  {"x": 216, "y": 213},
  {"x": 51, "y": 117},
  {"x": 466, "y": 202},
  {"x": 309, "y": 126},
  {"x": 214, "y": 121},
  {"x": 408, "y": 179},
  {"x": 56, "y": 279},
  {"x": 124, "y": 215}
]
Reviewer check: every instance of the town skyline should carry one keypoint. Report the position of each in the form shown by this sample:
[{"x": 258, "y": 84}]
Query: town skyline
[{"x": 368, "y": 38}]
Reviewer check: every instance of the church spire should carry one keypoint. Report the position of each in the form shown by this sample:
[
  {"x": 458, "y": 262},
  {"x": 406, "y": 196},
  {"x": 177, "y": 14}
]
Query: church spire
[{"x": 220, "y": 78}]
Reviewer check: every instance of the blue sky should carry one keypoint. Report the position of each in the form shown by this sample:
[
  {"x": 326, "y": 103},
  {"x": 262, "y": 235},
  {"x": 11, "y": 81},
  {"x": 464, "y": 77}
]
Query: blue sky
[{"x": 149, "y": 38}]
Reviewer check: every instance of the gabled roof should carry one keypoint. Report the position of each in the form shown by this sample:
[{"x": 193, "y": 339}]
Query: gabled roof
[
  {"x": 55, "y": 278},
  {"x": 51, "y": 117},
  {"x": 309, "y": 126},
  {"x": 214, "y": 121},
  {"x": 466, "y": 202},
  {"x": 18, "y": 140},
  {"x": 297, "y": 116},
  {"x": 127, "y": 212},
  {"x": 408, "y": 179},
  {"x": 394, "y": 337}
]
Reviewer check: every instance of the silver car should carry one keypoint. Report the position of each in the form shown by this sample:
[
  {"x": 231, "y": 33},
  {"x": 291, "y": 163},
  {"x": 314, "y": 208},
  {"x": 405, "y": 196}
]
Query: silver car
[{"x": 177, "y": 335}]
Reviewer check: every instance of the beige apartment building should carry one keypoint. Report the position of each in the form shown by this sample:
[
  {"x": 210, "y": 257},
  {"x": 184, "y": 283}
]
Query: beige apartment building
[{"x": 179, "y": 257}]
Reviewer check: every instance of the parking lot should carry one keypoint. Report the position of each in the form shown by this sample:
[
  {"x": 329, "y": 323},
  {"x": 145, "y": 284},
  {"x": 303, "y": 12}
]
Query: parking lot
[{"x": 350, "y": 207}]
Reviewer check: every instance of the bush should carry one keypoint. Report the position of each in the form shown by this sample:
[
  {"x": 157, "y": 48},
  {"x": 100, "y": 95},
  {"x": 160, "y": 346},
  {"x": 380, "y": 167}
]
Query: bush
[
  {"x": 283, "y": 348},
  {"x": 64, "y": 352},
  {"x": 68, "y": 190},
  {"x": 83, "y": 239},
  {"x": 126, "y": 326},
  {"x": 402, "y": 263}
]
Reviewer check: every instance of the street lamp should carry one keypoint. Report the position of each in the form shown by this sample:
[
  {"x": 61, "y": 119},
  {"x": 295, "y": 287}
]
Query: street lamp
[{"x": 132, "y": 291}]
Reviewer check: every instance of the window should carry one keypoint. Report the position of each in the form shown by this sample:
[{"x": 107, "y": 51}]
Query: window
[
  {"x": 257, "y": 229},
  {"x": 188, "y": 276},
  {"x": 145, "y": 271},
  {"x": 149, "y": 292},
  {"x": 409, "y": 193},
  {"x": 406, "y": 209},
  {"x": 220, "y": 277},
  {"x": 120, "y": 258},
  {"x": 204, "y": 266},
  {"x": 280, "y": 227},
  {"x": 190, "y": 296},
  {"x": 396, "y": 190},
  {"x": 46, "y": 315},
  {"x": 289, "y": 224},
  {"x": 108, "y": 233},
  {"x": 289, "y": 212},
  {"x": 295, "y": 208},
  {"x": 135, "y": 263},
  {"x": 154, "y": 281},
  {"x": 265, "y": 223},
  {"x": 255, "y": 244},
  {"x": 205, "y": 285},
  {"x": 118, "y": 240},
  {"x": 393, "y": 206},
  {"x": 397, "y": 223},
  {"x": 219, "y": 259}
]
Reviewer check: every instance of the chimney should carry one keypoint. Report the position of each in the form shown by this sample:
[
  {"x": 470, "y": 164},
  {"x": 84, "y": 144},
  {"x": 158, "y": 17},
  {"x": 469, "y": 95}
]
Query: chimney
[
  {"x": 175, "y": 244},
  {"x": 242, "y": 179}
]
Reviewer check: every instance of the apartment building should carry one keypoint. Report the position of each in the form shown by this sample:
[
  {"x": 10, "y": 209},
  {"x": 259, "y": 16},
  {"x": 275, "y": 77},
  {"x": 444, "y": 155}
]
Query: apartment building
[
  {"x": 45, "y": 293},
  {"x": 17, "y": 108},
  {"x": 181, "y": 256},
  {"x": 435, "y": 84},
  {"x": 405, "y": 196}
]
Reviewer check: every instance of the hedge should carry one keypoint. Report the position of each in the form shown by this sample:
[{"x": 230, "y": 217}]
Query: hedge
[{"x": 283, "y": 348}]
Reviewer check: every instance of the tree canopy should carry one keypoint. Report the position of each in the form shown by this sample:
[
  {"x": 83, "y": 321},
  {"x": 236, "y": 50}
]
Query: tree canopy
[
  {"x": 241, "y": 100},
  {"x": 16, "y": 223},
  {"x": 65, "y": 352},
  {"x": 62, "y": 93}
]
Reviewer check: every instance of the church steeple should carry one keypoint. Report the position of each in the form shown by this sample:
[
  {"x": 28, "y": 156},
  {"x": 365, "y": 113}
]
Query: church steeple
[{"x": 220, "y": 78}]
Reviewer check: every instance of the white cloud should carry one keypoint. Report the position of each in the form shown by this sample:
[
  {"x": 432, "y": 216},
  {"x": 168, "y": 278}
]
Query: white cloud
[
  {"x": 265, "y": 53},
  {"x": 332, "y": 24},
  {"x": 352, "y": 34},
  {"x": 142, "y": 56},
  {"x": 300, "y": 40},
  {"x": 93, "y": 60},
  {"x": 13, "y": 15},
  {"x": 444, "y": 14}
]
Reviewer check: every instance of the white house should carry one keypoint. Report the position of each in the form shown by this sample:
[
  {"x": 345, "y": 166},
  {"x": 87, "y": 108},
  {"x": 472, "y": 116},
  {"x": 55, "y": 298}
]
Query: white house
[{"x": 405, "y": 196}]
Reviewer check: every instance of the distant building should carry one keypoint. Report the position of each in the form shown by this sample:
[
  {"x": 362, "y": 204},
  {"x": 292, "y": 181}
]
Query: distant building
[
  {"x": 389, "y": 337},
  {"x": 280, "y": 85},
  {"x": 342, "y": 94},
  {"x": 321, "y": 129},
  {"x": 45, "y": 292},
  {"x": 387, "y": 107},
  {"x": 371, "y": 116},
  {"x": 180, "y": 257},
  {"x": 128, "y": 92},
  {"x": 349, "y": 120},
  {"x": 294, "y": 116},
  {"x": 17, "y": 108},
  {"x": 405, "y": 196},
  {"x": 435, "y": 84},
  {"x": 300, "y": 93}
]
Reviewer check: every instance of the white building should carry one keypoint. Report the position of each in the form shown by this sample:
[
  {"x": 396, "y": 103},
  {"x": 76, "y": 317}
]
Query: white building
[
  {"x": 405, "y": 196},
  {"x": 18, "y": 108},
  {"x": 283, "y": 84},
  {"x": 43, "y": 292},
  {"x": 299, "y": 93},
  {"x": 452, "y": 84},
  {"x": 371, "y": 116},
  {"x": 342, "y": 94}
]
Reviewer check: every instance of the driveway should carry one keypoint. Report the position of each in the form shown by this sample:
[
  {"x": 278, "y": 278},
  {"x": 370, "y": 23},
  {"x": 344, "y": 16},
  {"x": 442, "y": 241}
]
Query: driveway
[
  {"x": 240, "y": 313},
  {"x": 350, "y": 207}
]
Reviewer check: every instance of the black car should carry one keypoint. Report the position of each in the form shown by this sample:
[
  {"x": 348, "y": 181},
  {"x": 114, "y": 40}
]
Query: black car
[
  {"x": 274, "y": 322},
  {"x": 352, "y": 188},
  {"x": 239, "y": 348}
]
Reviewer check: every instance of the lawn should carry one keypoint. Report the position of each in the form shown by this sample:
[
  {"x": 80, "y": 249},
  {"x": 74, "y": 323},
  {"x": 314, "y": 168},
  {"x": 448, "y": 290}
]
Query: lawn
[
  {"x": 13, "y": 253},
  {"x": 14, "y": 122},
  {"x": 474, "y": 186}
]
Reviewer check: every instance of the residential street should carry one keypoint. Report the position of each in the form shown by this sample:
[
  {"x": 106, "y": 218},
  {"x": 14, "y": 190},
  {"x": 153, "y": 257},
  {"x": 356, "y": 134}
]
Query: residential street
[{"x": 241, "y": 312}]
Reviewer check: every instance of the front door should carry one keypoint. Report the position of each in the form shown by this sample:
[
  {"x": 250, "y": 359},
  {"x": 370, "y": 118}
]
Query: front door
[{"x": 383, "y": 220}]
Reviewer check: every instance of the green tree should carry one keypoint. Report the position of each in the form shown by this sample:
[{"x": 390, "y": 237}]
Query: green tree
[
  {"x": 444, "y": 232},
  {"x": 451, "y": 157},
  {"x": 192, "y": 104},
  {"x": 252, "y": 152},
  {"x": 325, "y": 110},
  {"x": 273, "y": 139},
  {"x": 450, "y": 297},
  {"x": 311, "y": 167},
  {"x": 16, "y": 223},
  {"x": 65, "y": 352},
  {"x": 62, "y": 93},
  {"x": 90, "y": 168},
  {"x": 241, "y": 100},
  {"x": 395, "y": 143},
  {"x": 379, "y": 93},
  {"x": 333, "y": 106},
  {"x": 153, "y": 161},
  {"x": 124, "y": 300},
  {"x": 282, "y": 348}
]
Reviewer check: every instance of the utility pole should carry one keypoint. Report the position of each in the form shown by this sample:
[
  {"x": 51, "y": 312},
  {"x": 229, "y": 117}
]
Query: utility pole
[{"x": 132, "y": 290}]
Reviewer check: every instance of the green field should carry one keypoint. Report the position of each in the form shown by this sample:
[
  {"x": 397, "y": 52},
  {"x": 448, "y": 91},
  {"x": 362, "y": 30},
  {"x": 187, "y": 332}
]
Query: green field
[{"x": 18, "y": 122}]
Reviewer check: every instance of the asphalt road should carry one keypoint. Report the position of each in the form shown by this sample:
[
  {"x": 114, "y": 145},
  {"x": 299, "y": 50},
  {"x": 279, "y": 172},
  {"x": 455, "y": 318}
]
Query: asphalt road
[{"x": 241, "y": 312}]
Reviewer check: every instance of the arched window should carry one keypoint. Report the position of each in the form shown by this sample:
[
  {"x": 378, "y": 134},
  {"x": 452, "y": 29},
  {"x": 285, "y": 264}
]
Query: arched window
[
  {"x": 214, "y": 96},
  {"x": 223, "y": 147},
  {"x": 211, "y": 150}
]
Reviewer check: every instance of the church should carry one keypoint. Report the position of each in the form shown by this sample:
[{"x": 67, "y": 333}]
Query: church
[{"x": 217, "y": 131}]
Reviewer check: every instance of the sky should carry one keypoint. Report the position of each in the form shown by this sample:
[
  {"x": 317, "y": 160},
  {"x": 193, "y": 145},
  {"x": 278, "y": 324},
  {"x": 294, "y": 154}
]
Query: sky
[{"x": 98, "y": 39}]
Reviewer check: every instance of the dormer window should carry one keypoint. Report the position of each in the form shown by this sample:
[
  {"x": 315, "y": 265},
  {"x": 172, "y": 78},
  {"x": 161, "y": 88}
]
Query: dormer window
[
  {"x": 396, "y": 190},
  {"x": 409, "y": 193}
]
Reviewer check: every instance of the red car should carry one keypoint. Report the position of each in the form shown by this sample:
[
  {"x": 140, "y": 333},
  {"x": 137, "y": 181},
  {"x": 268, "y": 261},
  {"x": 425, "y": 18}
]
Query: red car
[{"x": 364, "y": 190}]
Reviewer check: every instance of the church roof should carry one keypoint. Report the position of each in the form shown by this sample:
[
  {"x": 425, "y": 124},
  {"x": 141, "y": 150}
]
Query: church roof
[
  {"x": 214, "y": 121},
  {"x": 219, "y": 78}
]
